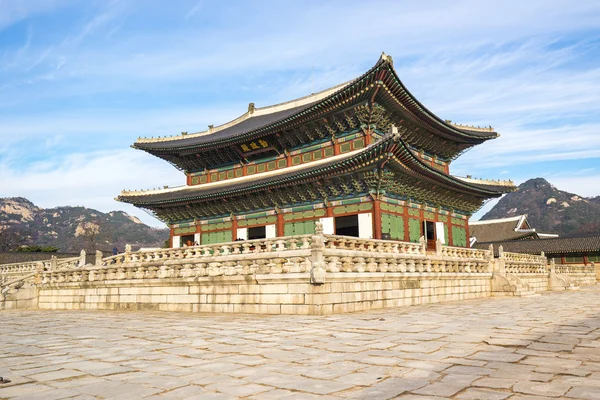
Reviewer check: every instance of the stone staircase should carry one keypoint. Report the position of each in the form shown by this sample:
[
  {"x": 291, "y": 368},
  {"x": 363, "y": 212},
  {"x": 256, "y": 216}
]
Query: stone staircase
[{"x": 511, "y": 285}]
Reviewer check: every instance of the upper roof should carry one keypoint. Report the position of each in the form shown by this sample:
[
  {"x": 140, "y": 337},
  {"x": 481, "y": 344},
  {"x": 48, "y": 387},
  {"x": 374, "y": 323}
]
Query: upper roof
[
  {"x": 258, "y": 122},
  {"x": 495, "y": 230},
  {"x": 560, "y": 245},
  {"x": 391, "y": 146}
]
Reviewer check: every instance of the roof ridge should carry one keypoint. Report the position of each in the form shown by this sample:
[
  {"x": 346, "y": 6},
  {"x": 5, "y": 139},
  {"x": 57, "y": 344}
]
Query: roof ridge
[
  {"x": 254, "y": 112},
  {"x": 497, "y": 220}
]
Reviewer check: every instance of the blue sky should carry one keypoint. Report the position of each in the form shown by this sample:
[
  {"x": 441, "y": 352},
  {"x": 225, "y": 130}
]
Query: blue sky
[{"x": 81, "y": 80}]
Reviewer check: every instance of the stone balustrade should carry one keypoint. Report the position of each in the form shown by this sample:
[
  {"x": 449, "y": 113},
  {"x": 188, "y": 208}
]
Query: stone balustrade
[
  {"x": 373, "y": 245},
  {"x": 519, "y": 268},
  {"x": 574, "y": 269},
  {"x": 519, "y": 257},
  {"x": 463, "y": 252}
]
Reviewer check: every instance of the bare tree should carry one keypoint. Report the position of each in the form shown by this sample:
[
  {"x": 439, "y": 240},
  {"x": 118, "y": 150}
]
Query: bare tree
[
  {"x": 89, "y": 231},
  {"x": 10, "y": 238}
]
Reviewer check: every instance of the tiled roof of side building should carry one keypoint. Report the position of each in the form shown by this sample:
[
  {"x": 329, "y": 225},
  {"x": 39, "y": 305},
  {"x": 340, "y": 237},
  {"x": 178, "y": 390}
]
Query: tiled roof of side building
[
  {"x": 500, "y": 230},
  {"x": 560, "y": 245}
]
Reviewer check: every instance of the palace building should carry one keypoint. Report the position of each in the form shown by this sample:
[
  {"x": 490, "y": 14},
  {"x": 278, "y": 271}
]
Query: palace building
[{"x": 365, "y": 158}]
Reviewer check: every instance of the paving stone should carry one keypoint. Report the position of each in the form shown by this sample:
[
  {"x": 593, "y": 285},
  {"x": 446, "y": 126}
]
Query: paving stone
[
  {"x": 541, "y": 388},
  {"x": 56, "y": 375},
  {"x": 441, "y": 389},
  {"x": 584, "y": 392},
  {"x": 479, "y": 394},
  {"x": 390, "y": 388}
]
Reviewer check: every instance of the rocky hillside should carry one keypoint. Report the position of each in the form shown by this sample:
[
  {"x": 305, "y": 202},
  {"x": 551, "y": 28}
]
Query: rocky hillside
[
  {"x": 549, "y": 209},
  {"x": 73, "y": 228}
]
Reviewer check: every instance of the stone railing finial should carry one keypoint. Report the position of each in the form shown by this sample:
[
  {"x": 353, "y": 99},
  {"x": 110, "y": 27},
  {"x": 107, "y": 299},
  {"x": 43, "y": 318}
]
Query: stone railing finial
[{"x": 81, "y": 258}]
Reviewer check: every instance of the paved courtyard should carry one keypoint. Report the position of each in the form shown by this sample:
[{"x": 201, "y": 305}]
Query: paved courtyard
[{"x": 517, "y": 348}]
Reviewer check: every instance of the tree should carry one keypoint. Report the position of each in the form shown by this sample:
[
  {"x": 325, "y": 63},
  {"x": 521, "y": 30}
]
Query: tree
[
  {"x": 88, "y": 231},
  {"x": 10, "y": 238}
]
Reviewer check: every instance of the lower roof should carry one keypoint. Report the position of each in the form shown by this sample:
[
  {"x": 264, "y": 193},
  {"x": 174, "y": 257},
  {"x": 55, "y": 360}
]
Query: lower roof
[
  {"x": 390, "y": 145},
  {"x": 560, "y": 245}
]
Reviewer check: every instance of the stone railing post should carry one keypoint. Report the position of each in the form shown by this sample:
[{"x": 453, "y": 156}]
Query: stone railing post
[
  {"x": 500, "y": 262},
  {"x": 98, "y": 262},
  {"x": 53, "y": 263},
  {"x": 438, "y": 247},
  {"x": 39, "y": 269},
  {"x": 317, "y": 272},
  {"x": 552, "y": 267},
  {"x": 423, "y": 244},
  {"x": 81, "y": 262},
  {"x": 127, "y": 253},
  {"x": 597, "y": 269}
]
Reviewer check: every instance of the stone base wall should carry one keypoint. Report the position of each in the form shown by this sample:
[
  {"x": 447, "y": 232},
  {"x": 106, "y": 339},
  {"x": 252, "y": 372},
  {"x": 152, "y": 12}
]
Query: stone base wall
[
  {"x": 22, "y": 299},
  {"x": 586, "y": 279},
  {"x": 536, "y": 282},
  {"x": 291, "y": 294}
]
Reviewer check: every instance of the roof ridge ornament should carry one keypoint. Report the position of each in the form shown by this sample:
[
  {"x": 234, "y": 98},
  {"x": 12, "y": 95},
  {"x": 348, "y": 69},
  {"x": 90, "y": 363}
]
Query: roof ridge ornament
[
  {"x": 251, "y": 108},
  {"x": 387, "y": 57},
  {"x": 394, "y": 132}
]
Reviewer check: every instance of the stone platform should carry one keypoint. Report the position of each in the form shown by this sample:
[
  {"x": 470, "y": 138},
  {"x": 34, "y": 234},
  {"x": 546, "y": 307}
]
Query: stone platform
[{"x": 494, "y": 348}]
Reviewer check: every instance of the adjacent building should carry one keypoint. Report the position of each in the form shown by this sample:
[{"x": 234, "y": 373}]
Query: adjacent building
[{"x": 365, "y": 158}]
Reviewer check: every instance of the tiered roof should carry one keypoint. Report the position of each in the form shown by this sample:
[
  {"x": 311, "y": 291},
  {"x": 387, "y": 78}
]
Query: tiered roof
[
  {"x": 376, "y": 103},
  {"x": 377, "y": 99}
]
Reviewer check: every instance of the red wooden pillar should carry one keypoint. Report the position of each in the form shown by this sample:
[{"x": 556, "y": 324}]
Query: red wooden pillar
[
  {"x": 280, "y": 228},
  {"x": 585, "y": 259},
  {"x": 450, "y": 239},
  {"x": 406, "y": 233},
  {"x": 376, "y": 218},
  {"x": 336, "y": 147},
  {"x": 171, "y": 233},
  {"x": 234, "y": 227}
]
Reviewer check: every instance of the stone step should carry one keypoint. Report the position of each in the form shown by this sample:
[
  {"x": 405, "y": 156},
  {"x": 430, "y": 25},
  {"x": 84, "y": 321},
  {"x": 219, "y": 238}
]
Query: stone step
[{"x": 526, "y": 293}]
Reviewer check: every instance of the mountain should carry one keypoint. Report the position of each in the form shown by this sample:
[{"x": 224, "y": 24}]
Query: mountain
[
  {"x": 74, "y": 228},
  {"x": 549, "y": 209}
]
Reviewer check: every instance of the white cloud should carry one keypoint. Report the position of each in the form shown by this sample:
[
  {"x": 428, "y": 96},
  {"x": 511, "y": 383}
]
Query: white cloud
[{"x": 89, "y": 179}]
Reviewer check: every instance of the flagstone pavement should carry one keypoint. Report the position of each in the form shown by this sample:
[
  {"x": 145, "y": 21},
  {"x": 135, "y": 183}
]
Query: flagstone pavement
[{"x": 499, "y": 348}]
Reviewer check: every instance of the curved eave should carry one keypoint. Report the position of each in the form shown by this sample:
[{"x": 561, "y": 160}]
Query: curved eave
[
  {"x": 406, "y": 100},
  {"x": 391, "y": 146}
]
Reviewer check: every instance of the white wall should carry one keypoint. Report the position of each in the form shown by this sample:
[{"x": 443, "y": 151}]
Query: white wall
[
  {"x": 176, "y": 242},
  {"x": 365, "y": 226},
  {"x": 328, "y": 225},
  {"x": 242, "y": 233},
  {"x": 270, "y": 231},
  {"x": 197, "y": 238},
  {"x": 439, "y": 232}
]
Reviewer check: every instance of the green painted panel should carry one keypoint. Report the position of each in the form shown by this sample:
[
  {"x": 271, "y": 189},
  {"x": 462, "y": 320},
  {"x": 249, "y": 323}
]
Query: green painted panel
[
  {"x": 365, "y": 206},
  {"x": 195, "y": 180},
  {"x": 238, "y": 172},
  {"x": 317, "y": 155},
  {"x": 203, "y": 179},
  {"x": 183, "y": 231},
  {"x": 414, "y": 212},
  {"x": 428, "y": 215},
  {"x": 446, "y": 234},
  {"x": 359, "y": 143},
  {"x": 271, "y": 166},
  {"x": 320, "y": 213},
  {"x": 222, "y": 175},
  {"x": 251, "y": 169},
  {"x": 261, "y": 167},
  {"x": 352, "y": 208},
  {"x": 459, "y": 236},
  {"x": 299, "y": 228},
  {"x": 306, "y": 157},
  {"x": 282, "y": 163},
  {"x": 229, "y": 174},
  {"x": 328, "y": 151},
  {"x": 394, "y": 225},
  {"x": 213, "y": 177},
  {"x": 296, "y": 160},
  {"x": 345, "y": 147},
  {"x": 414, "y": 230}
]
